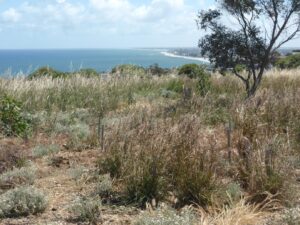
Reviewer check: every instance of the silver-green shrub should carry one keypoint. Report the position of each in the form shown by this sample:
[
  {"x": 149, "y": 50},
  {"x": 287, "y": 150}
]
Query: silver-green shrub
[
  {"x": 84, "y": 209},
  {"x": 18, "y": 176},
  {"x": 44, "y": 150},
  {"x": 167, "y": 216},
  {"x": 22, "y": 201}
]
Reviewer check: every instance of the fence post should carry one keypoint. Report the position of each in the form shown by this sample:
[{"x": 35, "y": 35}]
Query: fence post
[{"x": 228, "y": 133}]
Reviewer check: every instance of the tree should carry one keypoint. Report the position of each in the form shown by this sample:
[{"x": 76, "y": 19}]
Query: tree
[{"x": 260, "y": 28}]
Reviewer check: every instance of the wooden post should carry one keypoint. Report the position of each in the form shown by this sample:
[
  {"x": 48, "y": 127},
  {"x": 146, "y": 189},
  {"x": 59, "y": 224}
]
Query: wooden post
[
  {"x": 228, "y": 132},
  {"x": 102, "y": 138},
  {"x": 101, "y": 132}
]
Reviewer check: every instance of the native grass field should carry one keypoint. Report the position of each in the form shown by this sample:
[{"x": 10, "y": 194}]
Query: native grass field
[{"x": 144, "y": 149}]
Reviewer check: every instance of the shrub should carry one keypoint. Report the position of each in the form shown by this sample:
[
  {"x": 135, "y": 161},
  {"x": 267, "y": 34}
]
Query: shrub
[
  {"x": 44, "y": 150},
  {"x": 12, "y": 122},
  {"x": 167, "y": 216},
  {"x": 85, "y": 210},
  {"x": 22, "y": 201},
  {"x": 155, "y": 69},
  {"x": 104, "y": 186},
  {"x": 128, "y": 69},
  {"x": 111, "y": 165},
  {"x": 194, "y": 71},
  {"x": 89, "y": 73},
  {"x": 288, "y": 62},
  {"x": 46, "y": 72},
  {"x": 10, "y": 157},
  {"x": 175, "y": 85},
  {"x": 146, "y": 183},
  {"x": 16, "y": 177},
  {"x": 78, "y": 136},
  {"x": 77, "y": 172}
]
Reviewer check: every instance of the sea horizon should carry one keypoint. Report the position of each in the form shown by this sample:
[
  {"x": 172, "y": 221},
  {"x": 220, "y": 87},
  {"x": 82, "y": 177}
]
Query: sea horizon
[{"x": 24, "y": 61}]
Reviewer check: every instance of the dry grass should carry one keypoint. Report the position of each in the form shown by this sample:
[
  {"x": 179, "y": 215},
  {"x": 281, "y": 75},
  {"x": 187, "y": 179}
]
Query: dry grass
[{"x": 159, "y": 145}]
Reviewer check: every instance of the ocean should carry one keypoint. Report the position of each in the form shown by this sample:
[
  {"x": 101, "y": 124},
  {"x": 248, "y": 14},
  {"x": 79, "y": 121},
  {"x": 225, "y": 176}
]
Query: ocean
[{"x": 14, "y": 62}]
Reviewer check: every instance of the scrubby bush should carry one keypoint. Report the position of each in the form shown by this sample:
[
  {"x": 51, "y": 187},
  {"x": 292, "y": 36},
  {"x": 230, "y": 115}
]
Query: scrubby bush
[
  {"x": 77, "y": 172},
  {"x": 12, "y": 121},
  {"x": 22, "y": 201},
  {"x": 18, "y": 176},
  {"x": 128, "y": 69},
  {"x": 85, "y": 210},
  {"x": 167, "y": 216},
  {"x": 44, "y": 150},
  {"x": 288, "y": 62},
  {"x": 78, "y": 136},
  {"x": 195, "y": 71},
  {"x": 103, "y": 185},
  {"x": 47, "y": 72},
  {"x": 155, "y": 69},
  {"x": 89, "y": 73},
  {"x": 146, "y": 183}
]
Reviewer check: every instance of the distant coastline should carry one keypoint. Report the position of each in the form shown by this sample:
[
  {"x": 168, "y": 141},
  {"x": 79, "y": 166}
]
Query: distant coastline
[{"x": 173, "y": 55}]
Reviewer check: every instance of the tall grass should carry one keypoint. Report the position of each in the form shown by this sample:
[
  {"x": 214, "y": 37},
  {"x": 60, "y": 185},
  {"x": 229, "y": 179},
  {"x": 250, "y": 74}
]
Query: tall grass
[{"x": 156, "y": 145}]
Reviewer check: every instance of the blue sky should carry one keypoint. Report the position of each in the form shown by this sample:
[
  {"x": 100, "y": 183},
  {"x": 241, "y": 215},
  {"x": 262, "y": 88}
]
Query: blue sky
[
  {"x": 37, "y": 24},
  {"x": 99, "y": 23}
]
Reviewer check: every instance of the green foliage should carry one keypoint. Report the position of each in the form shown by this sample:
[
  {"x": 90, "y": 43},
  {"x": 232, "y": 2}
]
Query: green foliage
[
  {"x": 155, "y": 69},
  {"x": 85, "y": 210},
  {"x": 128, "y": 69},
  {"x": 193, "y": 71},
  {"x": 167, "y": 216},
  {"x": 47, "y": 72},
  {"x": 21, "y": 201},
  {"x": 89, "y": 73},
  {"x": 175, "y": 85},
  {"x": 12, "y": 121},
  {"x": 288, "y": 62}
]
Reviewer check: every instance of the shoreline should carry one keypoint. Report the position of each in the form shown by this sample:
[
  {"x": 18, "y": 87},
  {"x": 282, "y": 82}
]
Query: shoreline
[{"x": 168, "y": 54}]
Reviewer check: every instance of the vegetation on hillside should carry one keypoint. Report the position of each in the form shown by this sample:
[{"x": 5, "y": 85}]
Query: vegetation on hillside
[{"x": 151, "y": 141}]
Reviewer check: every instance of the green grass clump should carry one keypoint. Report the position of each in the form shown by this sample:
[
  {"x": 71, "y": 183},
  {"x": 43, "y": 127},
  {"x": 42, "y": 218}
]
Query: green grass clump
[{"x": 22, "y": 201}]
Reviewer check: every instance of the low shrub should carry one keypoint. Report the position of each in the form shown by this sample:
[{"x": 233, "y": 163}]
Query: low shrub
[
  {"x": 17, "y": 177},
  {"x": 12, "y": 122},
  {"x": 128, "y": 69},
  {"x": 167, "y": 216},
  {"x": 155, "y": 69},
  {"x": 78, "y": 136},
  {"x": 77, "y": 172},
  {"x": 44, "y": 150},
  {"x": 10, "y": 157},
  {"x": 85, "y": 210},
  {"x": 104, "y": 186},
  {"x": 22, "y": 201},
  {"x": 194, "y": 71},
  {"x": 111, "y": 165},
  {"x": 288, "y": 62},
  {"x": 88, "y": 73},
  {"x": 47, "y": 72}
]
